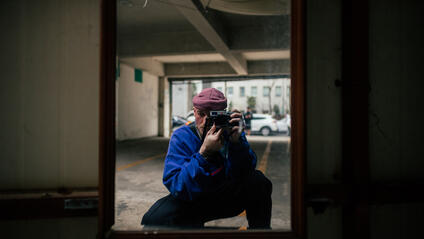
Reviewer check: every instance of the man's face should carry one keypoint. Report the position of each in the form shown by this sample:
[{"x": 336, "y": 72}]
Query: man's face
[{"x": 200, "y": 117}]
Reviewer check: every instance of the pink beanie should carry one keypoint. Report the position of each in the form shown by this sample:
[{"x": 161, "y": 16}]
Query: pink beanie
[{"x": 210, "y": 99}]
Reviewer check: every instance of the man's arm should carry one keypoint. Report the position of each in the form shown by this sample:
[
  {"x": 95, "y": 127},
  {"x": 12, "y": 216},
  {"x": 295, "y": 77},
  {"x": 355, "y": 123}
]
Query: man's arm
[
  {"x": 242, "y": 153},
  {"x": 187, "y": 173}
]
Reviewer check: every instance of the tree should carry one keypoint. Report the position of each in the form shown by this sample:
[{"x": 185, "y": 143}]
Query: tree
[
  {"x": 269, "y": 95},
  {"x": 251, "y": 102},
  {"x": 276, "y": 109},
  {"x": 193, "y": 90}
]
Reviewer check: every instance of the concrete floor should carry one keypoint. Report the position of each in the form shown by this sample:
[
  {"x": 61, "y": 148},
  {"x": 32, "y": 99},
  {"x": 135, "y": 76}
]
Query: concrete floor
[{"x": 139, "y": 166}]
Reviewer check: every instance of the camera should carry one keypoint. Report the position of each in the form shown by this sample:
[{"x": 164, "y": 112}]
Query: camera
[{"x": 221, "y": 119}]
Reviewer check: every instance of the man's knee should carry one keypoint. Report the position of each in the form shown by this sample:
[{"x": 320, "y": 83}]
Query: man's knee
[
  {"x": 260, "y": 183},
  {"x": 151, "y": 218},
  {"x": 158, "y": 214}
]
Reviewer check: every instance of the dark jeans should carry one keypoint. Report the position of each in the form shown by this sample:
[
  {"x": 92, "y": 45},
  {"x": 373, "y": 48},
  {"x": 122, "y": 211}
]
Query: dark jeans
[{"x": 252, "y": 194}]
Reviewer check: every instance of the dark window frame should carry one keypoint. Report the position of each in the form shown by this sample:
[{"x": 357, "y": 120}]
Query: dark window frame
[{"x": 107, "y": 137}]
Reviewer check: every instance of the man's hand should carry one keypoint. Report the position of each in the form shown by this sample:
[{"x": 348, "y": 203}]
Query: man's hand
[
  {"x": 212, "y": 143},
  {"x": 236, "y": 130}
]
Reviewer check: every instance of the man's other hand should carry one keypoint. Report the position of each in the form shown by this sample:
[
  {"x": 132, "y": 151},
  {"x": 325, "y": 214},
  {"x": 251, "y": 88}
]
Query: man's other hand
[{"x": 236, "y": 130}]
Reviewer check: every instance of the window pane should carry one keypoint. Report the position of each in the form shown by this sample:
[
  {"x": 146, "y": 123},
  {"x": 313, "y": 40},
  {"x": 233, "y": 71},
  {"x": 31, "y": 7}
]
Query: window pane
[
  {"x": 265, "y": 91},
  {"x": 278, "y": 91},
  {"x": 241, "y": 91},
  {"x": 230, "y": 90},
  {"x": 254, "y": 91}
]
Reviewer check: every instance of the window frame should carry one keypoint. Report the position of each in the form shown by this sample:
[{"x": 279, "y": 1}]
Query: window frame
[
  {"x": 244, "y": 91},
  {"x": 228, "y": 91},
  {"x": 256, "y": 91},
  {"x": 278, "y": 93},
  {"x": 264, "y": 88},
  {"x": 107, "y": 137}
]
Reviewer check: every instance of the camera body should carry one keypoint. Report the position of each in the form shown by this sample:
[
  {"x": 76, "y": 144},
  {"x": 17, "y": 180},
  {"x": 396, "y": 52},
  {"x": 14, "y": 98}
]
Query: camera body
[{"x": 221, "y": 119}]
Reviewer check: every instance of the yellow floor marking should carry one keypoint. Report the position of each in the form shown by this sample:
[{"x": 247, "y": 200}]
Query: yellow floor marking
[
  {"x": 264, "y": 160},
  {"x": 262, "y": 166},
  {"x": 139, "y": 162}
]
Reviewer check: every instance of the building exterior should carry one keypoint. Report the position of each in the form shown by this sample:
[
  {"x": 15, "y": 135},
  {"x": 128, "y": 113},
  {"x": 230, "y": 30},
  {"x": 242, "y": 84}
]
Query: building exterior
[
  {"x": 269, "y": 94},
  {"x": 182, "y": 95}
]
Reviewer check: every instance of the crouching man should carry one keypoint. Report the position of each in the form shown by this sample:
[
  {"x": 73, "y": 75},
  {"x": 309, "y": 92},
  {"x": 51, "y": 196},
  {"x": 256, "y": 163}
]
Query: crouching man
[{"x": 211, "y": 173}]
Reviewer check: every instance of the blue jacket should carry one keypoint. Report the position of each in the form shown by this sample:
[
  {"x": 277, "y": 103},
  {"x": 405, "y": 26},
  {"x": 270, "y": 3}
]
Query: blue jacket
[{"x": 187, "y": 174}]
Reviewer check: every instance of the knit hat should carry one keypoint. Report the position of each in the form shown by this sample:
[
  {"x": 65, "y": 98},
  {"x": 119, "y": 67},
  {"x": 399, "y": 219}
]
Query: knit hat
[{"x": 210, "y": 99}]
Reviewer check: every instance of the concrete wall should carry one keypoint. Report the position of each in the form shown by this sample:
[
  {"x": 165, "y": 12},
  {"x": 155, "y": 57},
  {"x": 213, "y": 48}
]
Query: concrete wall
[
  {"x": 167, "y": 110},
  {"x": 323, "y": 98},
  {"x": 395, "y": 111},
  {"x": 49, "y": 94},
  {"x": 137, "y": 111},
  {"x": 61, "y": 228},
  {"x": 323, "y": 103}
]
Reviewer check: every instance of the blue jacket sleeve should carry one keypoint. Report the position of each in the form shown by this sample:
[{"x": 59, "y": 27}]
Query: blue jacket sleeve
[
  {"x": 242, "y": 155},
  {"x": 186, "y": 172}
]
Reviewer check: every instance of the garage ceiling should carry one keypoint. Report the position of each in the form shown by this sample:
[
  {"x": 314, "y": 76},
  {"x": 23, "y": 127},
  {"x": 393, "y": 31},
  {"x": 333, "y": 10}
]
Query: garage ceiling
[{"x": 192, "y": 38}]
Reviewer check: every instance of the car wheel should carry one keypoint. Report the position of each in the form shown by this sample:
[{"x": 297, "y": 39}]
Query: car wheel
[{"x": 265, "y": 131}]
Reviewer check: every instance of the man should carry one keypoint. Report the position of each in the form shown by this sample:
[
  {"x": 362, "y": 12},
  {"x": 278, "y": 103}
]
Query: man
[{"x": 212, "y": 177}]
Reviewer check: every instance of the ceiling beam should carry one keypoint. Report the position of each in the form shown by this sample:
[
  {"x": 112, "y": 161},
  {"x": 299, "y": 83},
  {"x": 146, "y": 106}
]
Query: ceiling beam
[
  {"x": 212, "y": 30},
  {"x": 191, "y": 42},
  {"x": 199, "y": 69},
  {"x": 209, "y": 69},
  {"x": 163, "y": 43},
  {"x": 146, "y": 64},
  {"x": 269, "y": 67}
]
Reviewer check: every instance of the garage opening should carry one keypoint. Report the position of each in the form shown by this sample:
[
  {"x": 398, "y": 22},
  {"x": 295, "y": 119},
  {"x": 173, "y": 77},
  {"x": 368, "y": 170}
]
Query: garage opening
[{"x": 140, "y": 161}]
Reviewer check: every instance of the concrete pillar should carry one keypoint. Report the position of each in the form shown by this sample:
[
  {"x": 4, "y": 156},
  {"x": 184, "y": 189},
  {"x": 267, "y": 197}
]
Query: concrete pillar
[
  {"x": 167, "y": 116},
  {"x": 161, "y": 106}
]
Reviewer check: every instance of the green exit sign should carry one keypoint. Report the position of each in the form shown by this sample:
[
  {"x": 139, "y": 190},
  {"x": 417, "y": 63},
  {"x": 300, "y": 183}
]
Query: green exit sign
[{"x": 138, "y": 75}]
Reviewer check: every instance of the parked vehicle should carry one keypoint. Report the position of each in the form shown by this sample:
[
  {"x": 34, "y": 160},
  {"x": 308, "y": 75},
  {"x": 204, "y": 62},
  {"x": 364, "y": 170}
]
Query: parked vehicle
[
  {"x": 178, "y": 121},
  {"x": 288, "y": 124},
  {"x": 263, "y": 124},
  {"x": 284, "y": 125},
  {"x": 190, "y": 116}
]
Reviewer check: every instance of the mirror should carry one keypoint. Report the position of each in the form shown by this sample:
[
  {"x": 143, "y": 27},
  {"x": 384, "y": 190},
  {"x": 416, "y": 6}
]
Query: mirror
[{"x": 168, "y": 51}]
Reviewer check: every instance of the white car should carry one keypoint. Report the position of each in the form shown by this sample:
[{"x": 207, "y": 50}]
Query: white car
[
  {"x": 284, "y": 125},
  {"x": 263, "y": 124},
  {"x": 190, "y": 116}
]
